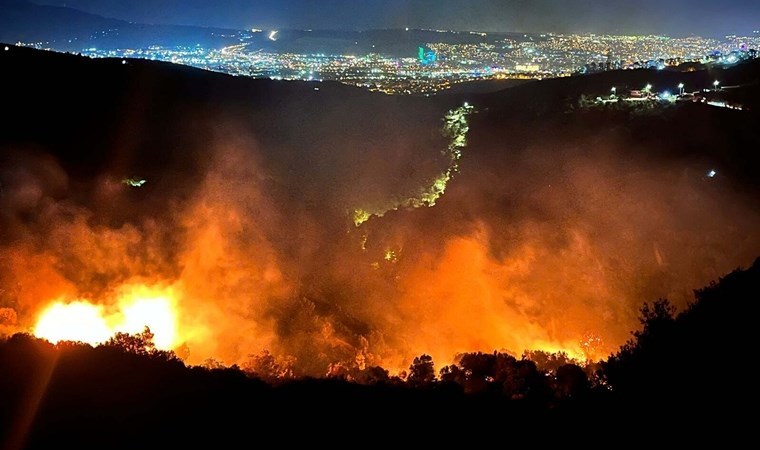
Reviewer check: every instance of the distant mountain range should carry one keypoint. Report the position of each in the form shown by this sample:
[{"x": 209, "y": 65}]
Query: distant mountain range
[{"x": 70, "y": 29}]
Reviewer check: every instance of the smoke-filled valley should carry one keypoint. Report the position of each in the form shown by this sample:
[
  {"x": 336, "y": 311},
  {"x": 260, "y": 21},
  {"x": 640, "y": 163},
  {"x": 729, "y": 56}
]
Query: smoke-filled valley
[{"x": 337, "y": 228}]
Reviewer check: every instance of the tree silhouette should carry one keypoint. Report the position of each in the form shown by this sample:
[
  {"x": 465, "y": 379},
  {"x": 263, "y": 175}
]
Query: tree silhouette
[
  {"x": 570, "y": 382},
  {"x": 524, "y": 380},
  {"x": 548, "y": 362},
  {"x": 479, "y": 370},
  {"x": 372, "y": 375},
  {"x": 668, "y": 361},
  {"x": 452, "y": 374},
  {"x": 266, "y": 367},
  {"x": 422, "y": 371},
  {"x": 138, "y": 344}
]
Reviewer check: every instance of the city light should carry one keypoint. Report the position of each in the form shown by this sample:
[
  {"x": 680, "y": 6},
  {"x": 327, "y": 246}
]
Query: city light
[
  {"x": 716, "y": 83},
  {"x": 444, "y": 65},
  {"x": 680, "y": 88}
]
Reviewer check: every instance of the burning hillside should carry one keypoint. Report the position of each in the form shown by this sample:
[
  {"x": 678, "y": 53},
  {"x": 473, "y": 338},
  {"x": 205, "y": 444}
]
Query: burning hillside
[{"x": 367, "y": 234}]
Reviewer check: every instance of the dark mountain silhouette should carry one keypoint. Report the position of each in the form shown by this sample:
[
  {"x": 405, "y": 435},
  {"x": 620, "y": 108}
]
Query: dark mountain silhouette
[
  {"x": 551, "y": 96},
  {"x": 691, "y": 132},
  {"x": 51, "y": 22}
]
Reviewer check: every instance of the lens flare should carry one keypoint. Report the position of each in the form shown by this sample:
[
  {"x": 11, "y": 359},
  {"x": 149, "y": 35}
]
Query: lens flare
[{"x": 136, "y": 308}]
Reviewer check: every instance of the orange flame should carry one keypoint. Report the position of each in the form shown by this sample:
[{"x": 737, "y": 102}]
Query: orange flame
[
  {"x": 225, "y": 275},
  {"x": 77, "y": 321},
  {"x": 137, "y": 307}
]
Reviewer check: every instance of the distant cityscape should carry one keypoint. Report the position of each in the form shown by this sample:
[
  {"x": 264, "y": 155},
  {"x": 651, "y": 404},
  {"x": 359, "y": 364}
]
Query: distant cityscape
[{"x": 431, "y": 67}]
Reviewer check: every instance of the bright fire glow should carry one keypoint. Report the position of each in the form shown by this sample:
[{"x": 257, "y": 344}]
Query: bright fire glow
[
  {"x": 136, "y": 308},
  {"x": 77, "y": 321}
]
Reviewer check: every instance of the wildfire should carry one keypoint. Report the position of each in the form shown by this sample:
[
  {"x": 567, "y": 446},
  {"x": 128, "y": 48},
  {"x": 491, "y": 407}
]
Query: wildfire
[
  {"x": 136, "y": 307},
  {"x": 77, "y": 321}
]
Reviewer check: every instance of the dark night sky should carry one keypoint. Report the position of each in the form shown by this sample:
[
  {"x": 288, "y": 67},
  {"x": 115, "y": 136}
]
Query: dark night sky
[{"x": 676, "y": 17}]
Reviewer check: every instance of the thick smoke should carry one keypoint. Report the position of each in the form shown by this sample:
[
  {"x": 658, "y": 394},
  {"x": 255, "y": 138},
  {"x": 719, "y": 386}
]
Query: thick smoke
[{"x": 546, "y": 243}]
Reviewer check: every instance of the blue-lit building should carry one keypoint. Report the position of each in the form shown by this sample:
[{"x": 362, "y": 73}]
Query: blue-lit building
[{"x": 426, "y": 56}]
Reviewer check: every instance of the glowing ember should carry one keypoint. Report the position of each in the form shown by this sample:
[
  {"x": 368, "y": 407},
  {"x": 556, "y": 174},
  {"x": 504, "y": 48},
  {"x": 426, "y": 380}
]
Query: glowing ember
[{"x": 137, "y": 308}]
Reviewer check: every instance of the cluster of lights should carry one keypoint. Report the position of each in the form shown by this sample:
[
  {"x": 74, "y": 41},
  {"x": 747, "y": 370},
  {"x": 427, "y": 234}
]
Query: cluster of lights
[
  {"x": 681, "y": 86},
  {"x": 498, "y": 57},
  {"x": 646, "y": 94}
]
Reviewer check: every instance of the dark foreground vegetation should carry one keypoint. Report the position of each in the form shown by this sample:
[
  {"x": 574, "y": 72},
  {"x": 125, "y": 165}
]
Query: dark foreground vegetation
[{"x": 684, "y": 373}]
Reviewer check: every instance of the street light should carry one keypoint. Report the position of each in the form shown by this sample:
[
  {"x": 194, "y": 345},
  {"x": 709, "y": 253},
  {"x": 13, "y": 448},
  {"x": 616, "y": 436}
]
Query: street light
[
  {"x": 648, "y": 87},
  {"x": 680, "y": 88},
  {"x": 716, "y": 83}
]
